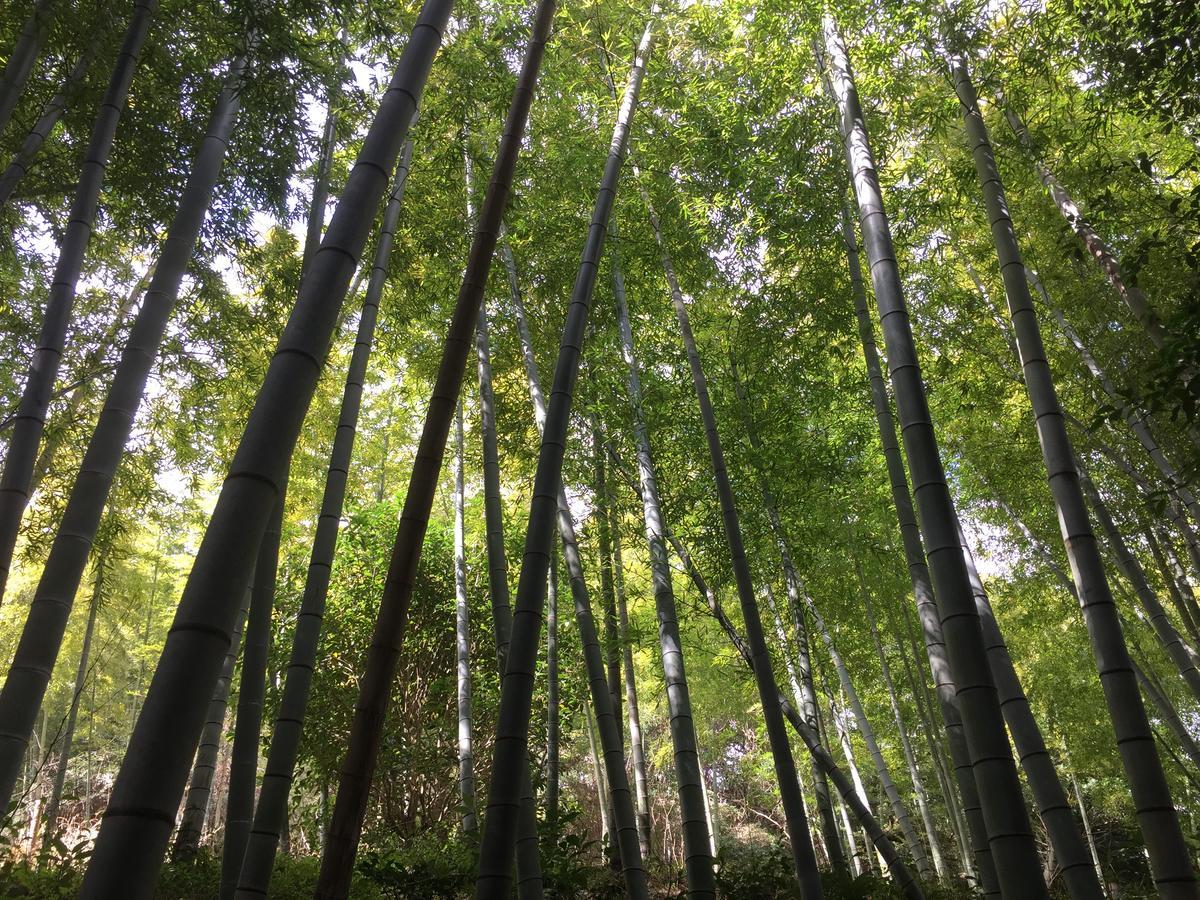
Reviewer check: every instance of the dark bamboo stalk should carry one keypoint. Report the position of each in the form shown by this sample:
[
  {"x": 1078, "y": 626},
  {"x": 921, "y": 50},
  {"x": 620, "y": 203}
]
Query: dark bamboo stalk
[
  {"x": 146, "y": 794},
  {"x": 617, "y": 804},
  {"x": 910, "y": 759},
  {"x": 1179, "y": 652},
  {"x": 42, "y": 128},
  {"x": 1010, "y": 835},
  {"x": 41, "y": 637},
  {"x": 384, "y": 653},
  {"x": 23, "y": 56},
  {"x": 807, "y": 699},
  {"x": 196, "y": 804},
  {"x": 697, "y": 840},
  {"x": 30, "y": 420},
  {"x": 512, "y": 728},
  {"x": 252, "y": 685},
  {"x": 462, "y": 643},
  {"x": 320, "y": 191},
  {"x": 1050, "y": 797},
  {"x": 50, "y": 821},
  {"x": 1166, "y": 709},
  {"x": 492, "y": 499},
  {"x": 803, "y": 855},
  {"x": 271, "y": 810},
  {"x": 1169, "y": 859},
  {"x": 918, "y": 570},
  {"x": 528, "y": 863},
  {"x": 612, "y": 647},
  {"x": 529, "y": 868},
  {"x": 1104, "y": 255},
  {"x": 553, "y": 702},
  {"x": 637, "y": 748},
  {"x": 623, "y": 838}
]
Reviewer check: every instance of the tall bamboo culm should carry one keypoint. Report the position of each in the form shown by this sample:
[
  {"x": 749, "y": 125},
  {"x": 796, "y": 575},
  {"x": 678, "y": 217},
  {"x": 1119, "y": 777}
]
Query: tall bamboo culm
[
  {"x": 529, "y": 869},
  {"x": 284, "y": 746},
  {"x": 918, "y": 569},
  {"x": 50, "y": 822},
  {"x": 637, "y": 747},
  {"x": 910, "y": 759},
  {"x": 1104, "y": 255},
  {"x": 612, "y": 649},
  {"x": 1010, "y": 835},
  {"x": 30, "y": 420},
  {"x": 553, "y": 703},
  {"x": 621, "y": 826},
  {"x": 1179, "y": 651},
  {"x": 512, "y": 726},
  {"x": 199, "y": 793},
  {"x": 806, "y": 700},
  {"x": 803, "y": 856},
  {"x": 1049, "y": 796},
  {"x": 42, "y": 635},
  {"x": 145, "y": 797},
  {"x": 52, "y": 112},
  {"x": 697, "y": 841},
  {"x": 24, "y": 55},
  {"x": 1169, "y": 858},
  {"x": 462, "y": 643},
  {"x": 375, "y": 688},
  {"x": 252, "y": 685}
]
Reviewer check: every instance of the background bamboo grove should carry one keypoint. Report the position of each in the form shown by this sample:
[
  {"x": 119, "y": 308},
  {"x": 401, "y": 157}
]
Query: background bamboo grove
[{"x": 687, "y": 449}]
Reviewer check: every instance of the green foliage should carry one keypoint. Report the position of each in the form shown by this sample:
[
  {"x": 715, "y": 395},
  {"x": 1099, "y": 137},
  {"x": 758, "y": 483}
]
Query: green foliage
[
  {"x": 197, "y": 878},
  {"x": 749, "y": 870},
  {"x": 568, "y": 859},
  {"x": 758, "y": 870},
  {"x": 737, "y": 148},
  {"x": 426, "y": 866},
  {"x": 54, "y": 875},
  {"x": 1146, "y": 53}
]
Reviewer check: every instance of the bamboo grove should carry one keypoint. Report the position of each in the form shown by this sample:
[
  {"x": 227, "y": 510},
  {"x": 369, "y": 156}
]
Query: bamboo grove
[{"x": 710, "y": 449}]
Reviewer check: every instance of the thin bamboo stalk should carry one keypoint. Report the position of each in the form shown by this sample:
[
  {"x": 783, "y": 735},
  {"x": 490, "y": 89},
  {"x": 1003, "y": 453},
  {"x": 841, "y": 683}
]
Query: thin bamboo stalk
[{"x": 512, "y": 731}]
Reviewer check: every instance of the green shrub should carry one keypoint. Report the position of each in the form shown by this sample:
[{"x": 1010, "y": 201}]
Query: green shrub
[
  {"x": 199, "y": 878},
  {"x": 423, "y": 867},
  {"x": 571, "y": 863},
  {"x": 755, "y": 871},
  {"x": 55, "y": 874},
  {"x": 764, "y": 871},
  {"x": 20, "y": 878}
]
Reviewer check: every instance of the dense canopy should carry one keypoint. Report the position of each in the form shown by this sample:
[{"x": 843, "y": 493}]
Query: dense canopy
[{"x": 724, "y": 449}]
